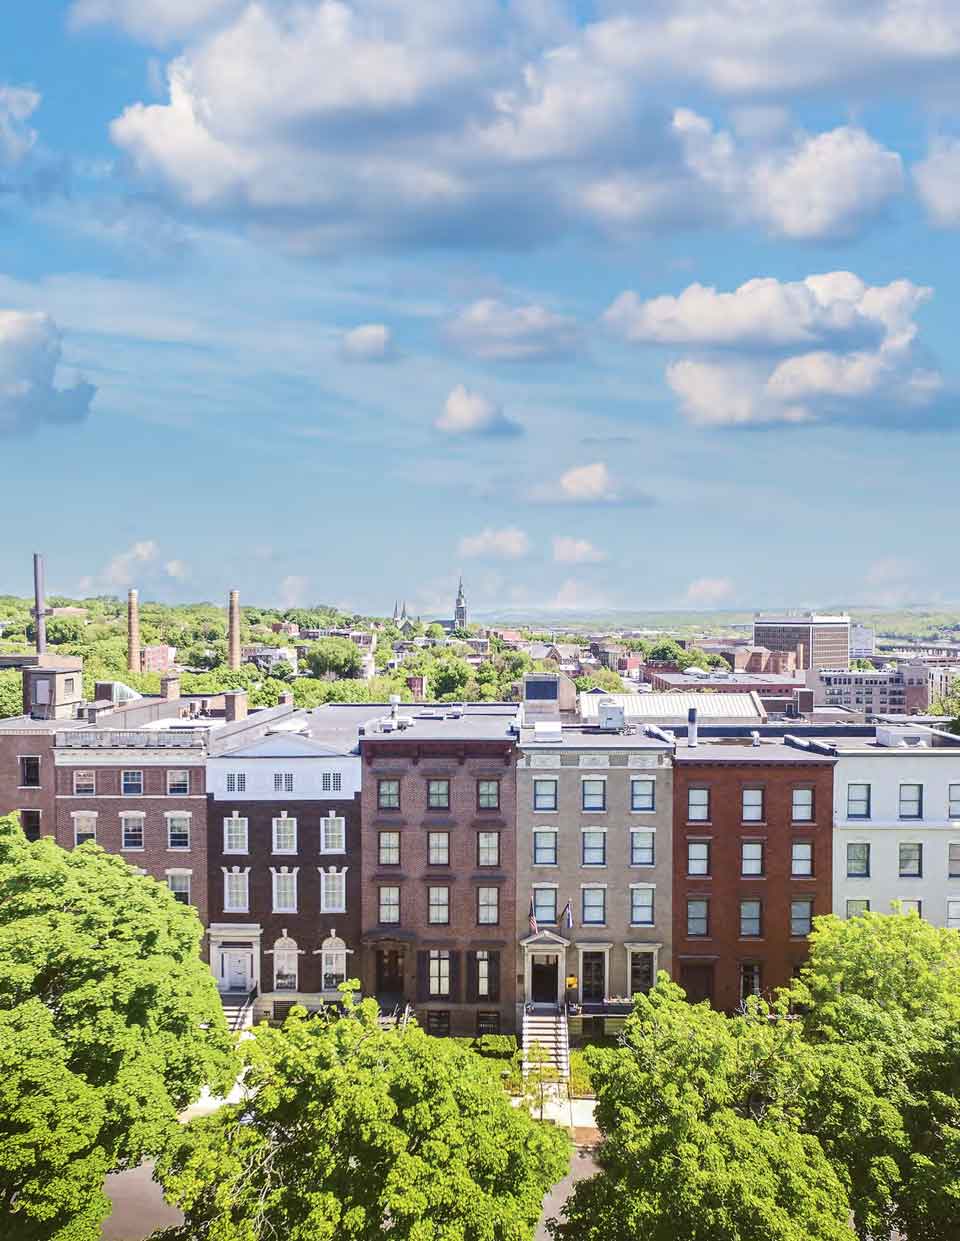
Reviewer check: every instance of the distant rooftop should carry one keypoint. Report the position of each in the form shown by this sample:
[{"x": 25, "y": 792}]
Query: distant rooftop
[
  {"x": 749, "y": 680},
  {"x": 659, "y": 707},
  {"x": 800, "y": 618}
]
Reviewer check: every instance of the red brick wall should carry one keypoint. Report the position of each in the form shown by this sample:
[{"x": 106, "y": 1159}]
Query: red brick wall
[
  {"x": 12, "y": 797},
  {"x": 724, "y": 950}
]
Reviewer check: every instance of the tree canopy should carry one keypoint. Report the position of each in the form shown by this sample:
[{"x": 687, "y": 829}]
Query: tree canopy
[{"x": 338, "y": 656}]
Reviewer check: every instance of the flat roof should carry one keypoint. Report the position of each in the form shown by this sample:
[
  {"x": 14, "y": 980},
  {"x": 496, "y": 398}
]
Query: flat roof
[
  {"x": 743, "y": 750},
  {"x": 586, "y": 737},
  {"x": 750, "y": 680},
  {"x": 657, "y": 706},
  {"x": 472, "y": 721}
]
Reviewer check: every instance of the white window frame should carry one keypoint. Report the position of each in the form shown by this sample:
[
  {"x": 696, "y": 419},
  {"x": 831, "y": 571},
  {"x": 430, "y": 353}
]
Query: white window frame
[
  {"x": 436, "y": 838},
  {"x": 747, "y": 863},
  {"x": 84, "y": 816},
  {"x": 750, "y": 918},
  {"x": 635, "y": 834},
  {"x": 235, "y": 820},
  {"x": 327, "y": 906},
  {"x": 635, "y": 890},
  {"x": 131, "y": 771},
  {"x": 288, "y": 877},
  {"x": 706, "y": 846},
  {"x": 651, "y": 782},
  {"x": 485, "y": 844},
  {"x": 279, "y": 850},
  {"x": 171, "y": 816},
  {"x": 953, "y": 914},
  {"x": 138, "y": 817},
  {"x": 327, "y": 828},
  {"x": 283, "y": 781},
  {"x": 333, "y": 964},
  {"x": 953, "y": 801},
  {"x": 174, "y": 873},
  {"x": 289, "y": 958},
  {"x": 179, "y": 771},
  {"x": 87, "y": 792},
  {"x": 236, "y": 781},
  {"x": 234, "y": 873}
]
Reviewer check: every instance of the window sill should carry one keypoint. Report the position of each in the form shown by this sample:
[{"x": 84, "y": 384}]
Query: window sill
[
  {"x": 132, "y": 849},
  {"x": 178, "y": 848},
  {"x": 699, "y": 822},
  {"x": 652, "y": 810},
  {"x": 643, "y": 925}
]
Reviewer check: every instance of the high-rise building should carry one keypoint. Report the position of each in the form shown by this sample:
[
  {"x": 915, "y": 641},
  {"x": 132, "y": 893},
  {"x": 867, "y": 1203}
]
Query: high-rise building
[{"x": 818, "y": 641}]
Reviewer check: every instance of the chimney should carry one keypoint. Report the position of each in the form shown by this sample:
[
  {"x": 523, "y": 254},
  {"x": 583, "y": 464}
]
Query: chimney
[
  {"x": 170, "y": 687},
  {"x": 233, "y": 631},
  {"x": 133, "y": 631},
  {"x": 40, "y": 604},
  {"x": 692, "y": 727},
  {"x": 286, "y": 698},
  {"x": 394, "y": 706},
  {"x": 235, "y": 705},
  {"x": 103, "y": 691}
]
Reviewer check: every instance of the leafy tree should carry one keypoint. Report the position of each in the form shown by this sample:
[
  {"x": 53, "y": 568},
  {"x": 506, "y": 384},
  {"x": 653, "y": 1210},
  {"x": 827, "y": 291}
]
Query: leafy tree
[
  {"x": 435, "y": 631},
  {"x": 862, "y": 665},
  {"x": 11, "y": 692},
  {"x": 339, "y": 656},
  {"x": 62, "y": 629},
  {"x": 110, "y": 1025},
  {"x": 449, "y": 677},
  {"x": 666, "y": 651},
  {"x": 603, "y": 678},
  {"x": 355, "y": 1132}
]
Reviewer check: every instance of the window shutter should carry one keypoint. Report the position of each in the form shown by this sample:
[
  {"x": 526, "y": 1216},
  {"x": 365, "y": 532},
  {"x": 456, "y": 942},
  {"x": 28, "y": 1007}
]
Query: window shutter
[
  {"x": 423, "y": 976},
  {"x": 493, "y": 967},
  {"x": 455, "y": 977},
  {"x": 472, "y": 996}
]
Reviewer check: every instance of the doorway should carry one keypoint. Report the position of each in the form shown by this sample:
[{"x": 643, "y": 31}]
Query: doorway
[
  {"x": 697, "y": 981},
  {"x": 543, "y": 979},
  {"x": 641, "y": 972},
  {"x": 237, "y": 969},
  {"x": 593, "y": 985},
  {"x": 389, "y": 971}
]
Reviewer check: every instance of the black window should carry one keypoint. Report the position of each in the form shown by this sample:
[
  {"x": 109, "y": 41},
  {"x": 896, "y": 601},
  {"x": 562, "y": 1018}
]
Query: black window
[
  {"x": 438, "y": 1024},
  {"x": 30, "y": 822},
  {"x": 30, "y": 773},
  {"x": 858, "y": 860},
  {"x": 545, "y": 794},
  {"x": 911, "y": 861},
  {"x": 488, "y": 1023}
]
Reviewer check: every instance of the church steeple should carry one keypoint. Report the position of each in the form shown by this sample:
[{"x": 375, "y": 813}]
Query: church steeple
[{"x": 460, "y": 608}]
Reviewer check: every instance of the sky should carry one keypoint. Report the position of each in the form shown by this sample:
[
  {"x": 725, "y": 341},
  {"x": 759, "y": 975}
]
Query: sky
[{"x": 604, "y": 305}]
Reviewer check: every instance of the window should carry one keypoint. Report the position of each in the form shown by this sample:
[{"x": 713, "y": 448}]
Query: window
[
  {"x": 545, "y": 906},
  {"x": 698, "y": 805},
  {"x": 438, "y": 1024},
  {"x": 641, "y": 906},
  {"x": 911, "y": 861},
  {"x": 439, "y": 977},
  {"x": 488, "y": 906},
  {"x": 801, "y": 859},
  {"x": 953, "y": 861},
  {"x": 858, "y": 801},
  {"x": 333, "y": 834},
  {"x": 751, "y": 857},
  {"x": 545, "y": 794},
  {"x": 488, "y": 794},
  {"x": 750, "y": 918},
  {"x": 235, "y": 891},
  {"x": 801, "y": 917},
  {"x": 178, "y": 831},
  {"x": 642, "y": 794},
  {"x": 488, "y": 1023},
  {"x": 84, "y": 828},
  {"x": 388, "y": 848},
  {"x": 594, "y": 848},
  {"x": 438, "y": 794},
  {"x": 858, "y": 861},
  {"x": 333, "y": 890},
  {"x": 698, "y": 917},
  {"x": 483, "y": 975},
  {"x": 332, "y": 782},
  {"x": 29, "y": 773},
  {"x": 911, "y": 801},
  {"x": 545, "y": 848},
  {"x": 131, "y": 831},
  {"x": 751, "y": 806},
  {"x": 284, "y": 835},
  {"x": 594, "y": 906},
  {"x": 283, "y": 781},
  {"x": 953, "y": 915},
  {"x": 488, "y": 848},
  {"x": 438, "y": 906},
  {"x": 438, "y": 848},
  {"x": 749, "y": 980},
  {"x": 911, "y": 907},
  {"x": 642, "y": 848},
  {"x": 388, "y": 794},
  {"x": 857, "y": 907},
  {"x": 178, "y": 783},
  {"x": 68, "y": 685},
  {"x": 802, "y": 805},
  {"x": 698, "y": 857},
  {"x": 953, "y": 807},
  {"x": 84, "y": 784},
  {"x": 30, "y": 823},
  {"x": 593, "y": 794},
  {"x": 234, "y": 835},
  {"x": 389, "y": 906},
  {"x": 286, "y": 966},
  {"x": 179, "y": 884},
  {"x": 284, "y": 891},
  {"x": 131, "y": 783},
  {"x": 237, "y": 782},
  {"x": 334, "y": 969}
]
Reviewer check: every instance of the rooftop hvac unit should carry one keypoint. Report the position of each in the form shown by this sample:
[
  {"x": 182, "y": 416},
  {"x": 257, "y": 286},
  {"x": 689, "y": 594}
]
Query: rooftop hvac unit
[
  {"x": 611, "y": 715},
  {"x": 547, "y": 730}
]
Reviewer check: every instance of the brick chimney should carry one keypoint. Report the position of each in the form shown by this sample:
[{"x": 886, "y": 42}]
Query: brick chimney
[
  {"x": 286, "y": 698},
  {"x": 235, "y": 705},
  {"x": 170, "y": 687},
  {"x": 233, "y": 630},
  {"x": 133, "y": 632}
]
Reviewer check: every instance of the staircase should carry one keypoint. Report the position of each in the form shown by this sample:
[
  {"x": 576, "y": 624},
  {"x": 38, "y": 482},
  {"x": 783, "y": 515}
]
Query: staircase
[
  {"x": 548, "y": 1028},
  {"x": 238, "y": 1008}
]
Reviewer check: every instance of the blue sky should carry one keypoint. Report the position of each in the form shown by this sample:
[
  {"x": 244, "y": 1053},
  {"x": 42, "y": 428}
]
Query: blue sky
[{"x": 603, "y": 304}]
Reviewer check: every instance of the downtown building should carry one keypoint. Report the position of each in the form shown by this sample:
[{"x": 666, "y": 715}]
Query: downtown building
[{"x": 817, "y": 640}]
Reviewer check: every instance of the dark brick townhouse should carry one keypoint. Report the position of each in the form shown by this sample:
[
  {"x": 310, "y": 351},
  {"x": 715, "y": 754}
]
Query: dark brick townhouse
[{"x": 438, "y": 895}]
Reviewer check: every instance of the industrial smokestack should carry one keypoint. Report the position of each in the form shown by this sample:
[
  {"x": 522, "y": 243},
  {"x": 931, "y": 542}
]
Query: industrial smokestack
[
  {"x": 233, "y": 634},
  {"x": 133, "y": 631},
  {"x": 40, "y": 604},
  {"x": 692, "y": 727}
]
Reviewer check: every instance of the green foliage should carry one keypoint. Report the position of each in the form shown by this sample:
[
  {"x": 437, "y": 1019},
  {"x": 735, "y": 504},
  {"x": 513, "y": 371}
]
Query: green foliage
[
  {"x": 110, "y": 1025},
  {"x": 435, "y": 631},
  {"x": 603, "y": 678},
  {"x": 11, "y": 692},
  {"x": 861, "y": 665},
  {"x": 666, "y": 651},
  {"x": 338, "y": 656},
  {"x": 581, "y": 1084},
  {"x": 355, "y": 1132}
]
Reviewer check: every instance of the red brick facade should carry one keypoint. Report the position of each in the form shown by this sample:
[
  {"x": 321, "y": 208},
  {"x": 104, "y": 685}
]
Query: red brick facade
[{"x": 33, "y": 743}]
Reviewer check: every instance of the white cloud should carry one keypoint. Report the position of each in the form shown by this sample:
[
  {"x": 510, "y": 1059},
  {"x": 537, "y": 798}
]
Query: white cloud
[
  {"x": 138, "y": 563},
  {"x": 506, "y": 544},
  {"x": 370, "y": 342},
  {"x": 121, "y": 569},
  {"x": 491, "y": 330},
  {"x": 177, "y": 569},
  {"x": 938, "y": 182},
  {"x": 17, "y": 105},
  {"x": 569, "y": 550},
  {"x": 708, "y": 591},
  {"x": 588, "y": 484},
  {"x": 293, "y": 591},
  {"x": 471, "y": 413},
  {"x": 153, "y": 21},
  {"x": 30, "y": 352}
]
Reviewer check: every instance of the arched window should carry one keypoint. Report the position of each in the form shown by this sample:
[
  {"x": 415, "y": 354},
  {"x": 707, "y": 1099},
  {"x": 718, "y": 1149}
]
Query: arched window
[
  {"x": 334, "y": 962},
  {"x": 286, "y": 964}
]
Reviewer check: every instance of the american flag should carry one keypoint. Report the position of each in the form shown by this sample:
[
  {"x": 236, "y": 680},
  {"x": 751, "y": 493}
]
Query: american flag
[{"x": 534, "y": 929}]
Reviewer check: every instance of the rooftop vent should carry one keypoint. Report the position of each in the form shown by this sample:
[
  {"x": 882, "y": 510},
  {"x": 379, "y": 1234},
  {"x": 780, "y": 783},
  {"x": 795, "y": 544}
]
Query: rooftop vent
[{"x": 548, "y": 730}]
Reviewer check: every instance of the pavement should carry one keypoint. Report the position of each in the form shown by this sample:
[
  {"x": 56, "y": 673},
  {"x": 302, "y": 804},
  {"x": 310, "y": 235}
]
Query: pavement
[
  {"x": 139, "y": 1206},
  {"x": 582, "y": 1165}
]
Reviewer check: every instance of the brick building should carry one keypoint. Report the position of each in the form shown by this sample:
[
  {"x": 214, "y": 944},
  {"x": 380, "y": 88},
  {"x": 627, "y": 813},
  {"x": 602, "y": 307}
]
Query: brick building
[
  {"x": 438, "y": 892},
  {"x": 752, "y": 861},
  {"x": 817, "y": 640}
]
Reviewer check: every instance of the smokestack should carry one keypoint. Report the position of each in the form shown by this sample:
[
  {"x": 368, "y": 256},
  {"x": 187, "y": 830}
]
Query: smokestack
[
  {"x": 40, "y": 604},
  {"x": 133, "y": 631},
  {"x": 692, "y": 727},
  {"x": 233, "y": 634}
]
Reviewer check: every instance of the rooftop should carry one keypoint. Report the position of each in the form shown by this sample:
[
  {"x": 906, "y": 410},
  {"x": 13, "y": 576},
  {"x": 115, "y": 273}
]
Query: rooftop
[
  {"x": 472, "y": 721},
  {"x": 745, "y": 749},
  {"x": 749, "y": 680},
  {"x": 673, "y": 707}
]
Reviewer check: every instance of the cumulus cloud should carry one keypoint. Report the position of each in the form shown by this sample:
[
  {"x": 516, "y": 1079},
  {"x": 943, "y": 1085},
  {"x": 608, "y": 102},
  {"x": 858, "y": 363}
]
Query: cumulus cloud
[
  {"x": 708, "y": 591},
  {"x": 495, "y": 332},
  {"x": 938, "y": 182},
  {"x": 152, "y": 21},
  {"x": 30, "y": 353},
  {"x": 472, "y": 413},
  {"x": 17, "y": 105},
  {"x": 827, "y": 347},
  {"x": 588, "y": 484},
  {"x": 570, "y": 550},
  {"x": 506, "y": 544},
  {"x": 177, "y": 569},
  {"x": 370, "y": 342},
  {"x": 138, "y": 563}
]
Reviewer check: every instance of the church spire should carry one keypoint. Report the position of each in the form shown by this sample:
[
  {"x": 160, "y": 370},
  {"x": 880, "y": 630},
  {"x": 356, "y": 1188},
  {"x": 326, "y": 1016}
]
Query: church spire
[{"x": 460, "y": 608}]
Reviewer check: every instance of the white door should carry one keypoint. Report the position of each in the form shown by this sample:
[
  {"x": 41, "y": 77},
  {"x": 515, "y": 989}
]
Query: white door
[{"x": 237, "y": 969}]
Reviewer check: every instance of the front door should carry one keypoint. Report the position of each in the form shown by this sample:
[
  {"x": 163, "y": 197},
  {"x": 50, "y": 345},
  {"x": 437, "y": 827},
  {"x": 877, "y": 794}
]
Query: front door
[
  {"x": 641, "y": 972},
  {"x": 697, "y": 981},
  {"x": 237, "y": 969},
  {"x": 593, "y": 987},
  {"x": 543, "y": 980},
  {"x": 389, "y": 971}
]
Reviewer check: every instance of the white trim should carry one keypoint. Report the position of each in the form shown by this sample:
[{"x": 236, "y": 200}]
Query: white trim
[
  {"x": 285, "y": 871},
  {"x": 581, "y": 948}
]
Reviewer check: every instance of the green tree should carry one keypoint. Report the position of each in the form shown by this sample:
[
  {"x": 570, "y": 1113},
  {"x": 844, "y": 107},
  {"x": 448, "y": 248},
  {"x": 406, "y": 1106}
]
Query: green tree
[
  {"x": 356, "y": 1132},
  {"x": 449, "y": 677},
  {"x": 603, "y": 678},
  {"x": 11, "y": 692},
  {"x": 337, "y": 655},
  {"x": 62, "y": 629},
  {"x": 666, "y": 651},
  {"x": 862, "y": 665},
  {"x": 435, "y": 631},
  {"x": 110, "y": 1025}
]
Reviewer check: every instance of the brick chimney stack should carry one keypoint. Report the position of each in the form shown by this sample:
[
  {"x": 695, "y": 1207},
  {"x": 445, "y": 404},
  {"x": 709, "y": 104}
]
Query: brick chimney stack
[
  {"x": 133, "y": 631},
  {"x": 233, "y": 633}
]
